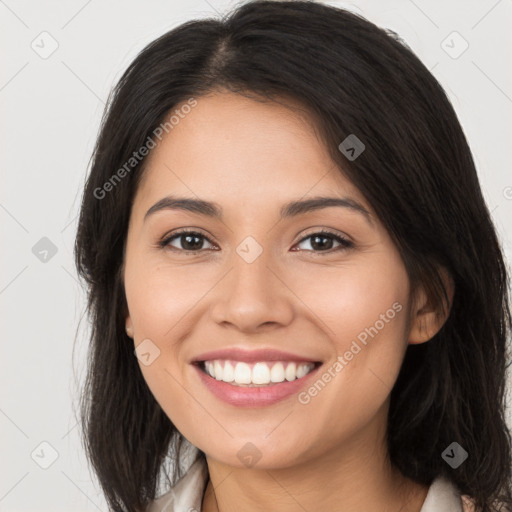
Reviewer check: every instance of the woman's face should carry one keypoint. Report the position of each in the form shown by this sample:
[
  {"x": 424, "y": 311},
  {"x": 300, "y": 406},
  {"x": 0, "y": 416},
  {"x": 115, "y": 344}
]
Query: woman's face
[{"x": 254, "y": 280}]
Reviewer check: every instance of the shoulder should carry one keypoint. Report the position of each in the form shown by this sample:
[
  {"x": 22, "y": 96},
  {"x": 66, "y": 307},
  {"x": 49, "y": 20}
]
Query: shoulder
[
  {"x": 443, "y": 496},
  {"x": 188, "y": 492}
]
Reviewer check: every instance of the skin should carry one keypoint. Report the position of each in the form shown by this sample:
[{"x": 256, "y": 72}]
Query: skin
[{"x": 328, "y": 454}]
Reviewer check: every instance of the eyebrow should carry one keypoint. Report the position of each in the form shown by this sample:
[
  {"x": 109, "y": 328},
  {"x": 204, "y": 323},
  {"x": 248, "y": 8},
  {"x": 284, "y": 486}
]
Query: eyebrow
[{"x": 291, "y": 209}]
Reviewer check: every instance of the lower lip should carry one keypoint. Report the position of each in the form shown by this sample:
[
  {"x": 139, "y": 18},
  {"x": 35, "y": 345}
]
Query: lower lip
[{"x": 242, "y": 396}]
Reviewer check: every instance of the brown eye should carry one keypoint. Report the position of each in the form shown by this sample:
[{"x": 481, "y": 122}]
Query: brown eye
[
  {"x": 193, "y": 241},
  {"x": 323, "y": 241},
  {"x": 190, "y": 241}
]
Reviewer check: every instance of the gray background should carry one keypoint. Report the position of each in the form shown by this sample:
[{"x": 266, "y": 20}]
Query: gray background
[{"x": 50, "y": 109}]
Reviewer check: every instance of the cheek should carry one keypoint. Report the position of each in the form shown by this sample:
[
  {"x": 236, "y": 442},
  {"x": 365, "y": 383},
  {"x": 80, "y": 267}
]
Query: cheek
[
  {"x": 360, "y": 303},
  {"x": 363, "y": 311},
  {"x": 360, "y": 300},
  {"x": 159, "y": 296},
  {"x": 163, "y": 302},
  {"x": 158, "y": 306}
]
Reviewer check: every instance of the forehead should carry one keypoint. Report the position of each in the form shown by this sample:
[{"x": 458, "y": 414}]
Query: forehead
[{"x": 233, "y": 148}]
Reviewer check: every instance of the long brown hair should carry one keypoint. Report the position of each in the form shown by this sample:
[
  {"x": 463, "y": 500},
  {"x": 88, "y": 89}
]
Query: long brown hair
[{"x": 418, "y": 174}]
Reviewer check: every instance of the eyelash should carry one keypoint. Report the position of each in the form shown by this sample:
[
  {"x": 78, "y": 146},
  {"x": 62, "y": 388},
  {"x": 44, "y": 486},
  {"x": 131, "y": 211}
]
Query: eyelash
[{"x": 345, "y": 244}]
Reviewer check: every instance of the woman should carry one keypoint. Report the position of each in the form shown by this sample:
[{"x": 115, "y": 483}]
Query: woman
[{"x": 297, "y": 294}]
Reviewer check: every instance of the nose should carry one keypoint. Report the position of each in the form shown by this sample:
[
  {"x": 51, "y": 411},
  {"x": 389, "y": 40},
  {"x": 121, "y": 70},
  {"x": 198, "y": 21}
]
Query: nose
[{"x": 253, "y": 297}]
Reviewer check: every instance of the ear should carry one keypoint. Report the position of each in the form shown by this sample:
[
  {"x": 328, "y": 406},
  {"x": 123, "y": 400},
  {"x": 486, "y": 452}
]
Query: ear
[
  {"x": 427, "y": 320},
  {"x": 129, "y": 326}
]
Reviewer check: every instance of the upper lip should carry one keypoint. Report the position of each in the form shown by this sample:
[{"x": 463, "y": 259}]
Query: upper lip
[{"x": 250, "y": 356}]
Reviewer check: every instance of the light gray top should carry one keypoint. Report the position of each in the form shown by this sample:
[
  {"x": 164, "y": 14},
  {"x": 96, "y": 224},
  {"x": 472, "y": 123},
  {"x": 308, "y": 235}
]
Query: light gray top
[{"x": 187, "y": 494}]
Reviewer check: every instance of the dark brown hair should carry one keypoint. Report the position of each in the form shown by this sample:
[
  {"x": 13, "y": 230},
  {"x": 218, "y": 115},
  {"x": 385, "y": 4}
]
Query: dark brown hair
[{"x": 418, "y": 174}]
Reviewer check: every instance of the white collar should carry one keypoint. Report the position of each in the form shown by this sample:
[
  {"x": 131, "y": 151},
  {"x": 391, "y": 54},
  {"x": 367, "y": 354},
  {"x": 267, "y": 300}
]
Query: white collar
[{"x": 187, "y": 494}]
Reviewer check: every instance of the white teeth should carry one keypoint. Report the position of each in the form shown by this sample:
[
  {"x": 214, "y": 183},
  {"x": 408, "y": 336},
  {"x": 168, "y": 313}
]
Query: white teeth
[
  {"x": 217, "y": 370},
  {"x": 260, "y": 373},
  {"x": 242, "y": 373},
  {"x": 301, "y": 371},
  {"x": 228, "y": 374},
  {"x": 277, "y": 373},
  {"x": 291, "y": 372}
]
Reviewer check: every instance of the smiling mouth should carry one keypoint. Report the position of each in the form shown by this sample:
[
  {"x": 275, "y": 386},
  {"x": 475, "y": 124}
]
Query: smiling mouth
[{"x": 257, "y": 374}]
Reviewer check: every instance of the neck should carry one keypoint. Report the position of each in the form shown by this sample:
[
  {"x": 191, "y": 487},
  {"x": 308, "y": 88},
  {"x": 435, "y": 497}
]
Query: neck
[{"x": 356, "y": 476}]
